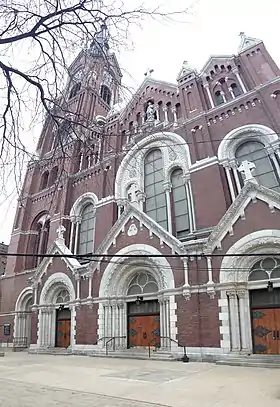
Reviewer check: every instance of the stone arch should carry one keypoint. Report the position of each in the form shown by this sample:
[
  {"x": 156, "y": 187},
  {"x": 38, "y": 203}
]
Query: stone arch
[
  {"x": 259, "y": 242},
  {"x": 118, "y": 274},
  {"x": 112, "y": 315},
  {"x": 88, "y": 197},
  {"x": 174, "y": 152},
  {"x": 23, "y": 299},
  {"x": 256, "y": 132},
  {"x": 236, "y": 329},
  {"x": 53, "y": 285}
]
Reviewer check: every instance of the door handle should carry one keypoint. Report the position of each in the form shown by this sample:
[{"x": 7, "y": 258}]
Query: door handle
[
  {"x": 144, "y": 335},
  {"x": 274, "y": 335}
]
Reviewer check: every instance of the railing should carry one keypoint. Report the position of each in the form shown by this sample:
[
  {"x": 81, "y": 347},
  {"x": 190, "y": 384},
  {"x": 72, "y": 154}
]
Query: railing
[
  {"x": 113, "y": 339},
  {"x": 20, "y": 342},
  {"x": 185, "y": 358}
]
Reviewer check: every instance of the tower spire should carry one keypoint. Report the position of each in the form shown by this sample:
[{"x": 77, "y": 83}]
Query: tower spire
[{"x": 100, "y": 45}]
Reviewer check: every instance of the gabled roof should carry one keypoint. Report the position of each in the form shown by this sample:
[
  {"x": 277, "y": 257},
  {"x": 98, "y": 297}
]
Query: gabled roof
[
  {"x": 147, "y": 82},
  {"x": 58, "y": 247},
  {"x": 247, "y": 42},
  {"x": 185, "y": 70},
  {"x": 250, "y": 192},
  {"x": 155, "y": 229},
  {"x": 215, "y": 59}
]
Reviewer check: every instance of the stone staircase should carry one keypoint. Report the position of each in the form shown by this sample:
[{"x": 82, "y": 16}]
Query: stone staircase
[{"x": 264, "y": 361}]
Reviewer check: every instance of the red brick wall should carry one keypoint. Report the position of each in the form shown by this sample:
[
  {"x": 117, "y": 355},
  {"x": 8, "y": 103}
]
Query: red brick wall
[{"x": 86, "y": 325}]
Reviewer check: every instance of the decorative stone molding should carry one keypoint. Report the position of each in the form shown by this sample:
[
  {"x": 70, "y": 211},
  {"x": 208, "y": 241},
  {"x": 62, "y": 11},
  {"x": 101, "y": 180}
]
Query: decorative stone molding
[
  {"x": 249, "y": 192},
  {"x": 131, "y": 169},
  {"x": 88, "y": 197},
  {"x": 229, "y": 144},
  {"x": 260, "y": 242},
  {"x": 187, "y": 293},
  {"x": 132, "y": 231},
  {"x": 53, "y": 283}
]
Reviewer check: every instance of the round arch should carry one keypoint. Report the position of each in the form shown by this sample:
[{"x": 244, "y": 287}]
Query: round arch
[
  {"x": 256, "y": 132},
  {"x": 23, "y": 299},
  {"x": 88, "y": 197},
  {"x": 118, "y": 274},
  {"x": 175, "y": 153},
  {"x": 53, "y": 284},
  {"x": 235, "y": 269}
]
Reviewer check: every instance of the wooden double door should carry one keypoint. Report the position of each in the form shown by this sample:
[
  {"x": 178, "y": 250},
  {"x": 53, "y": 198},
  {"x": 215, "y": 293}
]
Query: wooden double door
[
  {"x": 63, "y": 328},
  {"x": 143, "y": 324},
  {"x": 266, "y": 330}
]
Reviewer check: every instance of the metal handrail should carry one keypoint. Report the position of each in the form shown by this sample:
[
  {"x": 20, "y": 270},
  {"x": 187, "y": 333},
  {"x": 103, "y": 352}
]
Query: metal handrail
[
  {"x": 185, "y": 358},
  {"x": 113, "y": 338}
]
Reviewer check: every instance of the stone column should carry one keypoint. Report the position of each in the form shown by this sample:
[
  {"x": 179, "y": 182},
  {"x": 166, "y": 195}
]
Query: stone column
[
  {"x": 235, "y": 71},
  {"x": 122, "y": 327},
  {"x": 223, "y": 96},
  {"x": 190, "y": 202},
  {"x": 231, "y": 92},
  {"x": 72, "y": 220},
  {"x": 275, "y": 162},
  {"x": 235, "y": 174},
  {"x": 167, "y": 190},
  {"x": 206, "y": 86},
  {"x": 245, "y": 322},
  {"x": 78, "y": 222},
  {"x": 90, "y": 286},
  {"x": 165, "y": 115},
  {"x": 175, "y": 116},
  {"x": 229, "y": 180},
  {"x": 78, "y": 285},
  {"x": 234, "y": 321}
]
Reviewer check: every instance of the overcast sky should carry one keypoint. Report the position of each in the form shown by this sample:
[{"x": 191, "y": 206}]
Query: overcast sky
[{"x": 212, "y": 27}]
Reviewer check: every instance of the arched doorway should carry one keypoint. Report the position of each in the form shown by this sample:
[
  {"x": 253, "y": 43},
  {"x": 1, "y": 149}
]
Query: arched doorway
[
  {"x": 265, "y": 306},
  {"x": 135, "y": 307},
  {"x": 250, "y": 303},
  {"x": 22, "y": 322},
  {"x": 56, "y": 315},
  {"x": 143, "y": 314}
]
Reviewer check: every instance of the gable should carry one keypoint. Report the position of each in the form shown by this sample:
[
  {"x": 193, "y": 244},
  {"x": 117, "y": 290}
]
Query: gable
[
  {"x": 136, "y": 225},
  {"x": 216, "y": 60},
  {"x": 251, "y": 193}
]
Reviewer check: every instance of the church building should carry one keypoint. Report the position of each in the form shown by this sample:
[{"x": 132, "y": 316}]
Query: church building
[{"x": 155, "y": 223}]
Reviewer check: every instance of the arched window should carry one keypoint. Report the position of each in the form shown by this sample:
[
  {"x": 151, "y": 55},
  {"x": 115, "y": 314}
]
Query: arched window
[
  {"x": 142, "y": 283},
  {"x": 53, "y": 175},
  {"x": 169, "y": 112},
  {"x": 255, "y": 152},
  {"x": 105, "y": 93},
  {"x": 74, "y": 90},
  {"x": 190, "y": 101},
  {"x": 62, "y": 297},
  {"x": 38, "y": 240},
  {"x": 265, "y": 269},
  {"x": 155, "y": 194},
  {"x": 235, "y": 90},
  {"x": 178, "y": 111},
  {"x": 86, "y": 235},
  {"x": 44, "y": 180},
  {"x": 179, "y": 205},
  {"x": 219, "y": 97}
]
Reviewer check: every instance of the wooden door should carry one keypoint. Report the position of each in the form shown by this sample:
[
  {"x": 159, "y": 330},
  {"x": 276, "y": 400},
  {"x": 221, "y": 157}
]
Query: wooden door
[
  {"x": 63, "y": 333},
  {"x": 277, "y": 319},
  {"x": 144, "y": 330},
  {"x": 264, "y": 331}
]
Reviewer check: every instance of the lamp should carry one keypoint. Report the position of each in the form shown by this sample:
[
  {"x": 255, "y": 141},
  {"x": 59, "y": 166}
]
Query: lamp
[
  {"x": 270, "y": 286},
  {"x": 61, "y": 307},
  {"x": 138, "y": 300}
]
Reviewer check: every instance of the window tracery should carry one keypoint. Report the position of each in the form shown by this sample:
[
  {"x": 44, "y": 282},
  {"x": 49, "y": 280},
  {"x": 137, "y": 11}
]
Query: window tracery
[{"x": 142, "y": 283}]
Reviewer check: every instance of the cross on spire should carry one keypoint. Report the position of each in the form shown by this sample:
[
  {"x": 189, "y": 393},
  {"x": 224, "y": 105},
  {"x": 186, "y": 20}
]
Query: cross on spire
[
  {"x": 246, "y": 169},
  {"x": 149, "y": 72}
]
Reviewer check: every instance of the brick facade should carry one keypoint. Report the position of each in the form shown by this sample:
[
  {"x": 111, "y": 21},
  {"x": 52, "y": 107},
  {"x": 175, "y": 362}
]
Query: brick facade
[{"x": 191, "y": 114}]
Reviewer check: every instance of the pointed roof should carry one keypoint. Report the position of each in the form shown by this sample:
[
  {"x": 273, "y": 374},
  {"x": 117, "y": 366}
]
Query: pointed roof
[
  {"x": 154, "y": 229},
  {"x": 247, "y": 42},
  {"x": 185, "y": 70},
  {"x": 58, "y": 247},
  {"x": 250, "y": 192}
]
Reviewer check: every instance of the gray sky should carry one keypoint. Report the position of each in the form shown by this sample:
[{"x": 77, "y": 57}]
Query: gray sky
[{"x": 212, "y": 27}]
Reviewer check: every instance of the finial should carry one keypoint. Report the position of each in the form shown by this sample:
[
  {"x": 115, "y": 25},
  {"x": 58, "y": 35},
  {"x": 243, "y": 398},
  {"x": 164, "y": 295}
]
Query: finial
[
  {"x": 242, "y": 34},
  {"x": 60, "y": 231},
  {"x": 149, "y": 72}
]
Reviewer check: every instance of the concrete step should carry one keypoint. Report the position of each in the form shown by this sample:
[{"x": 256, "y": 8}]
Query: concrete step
[
  {"x": 133, "y": 355},
  {"x": 265, "y": 361}
]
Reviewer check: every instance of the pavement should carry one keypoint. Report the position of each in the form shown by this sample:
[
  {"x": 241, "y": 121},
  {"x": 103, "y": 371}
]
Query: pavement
[{"x": 81, "y": 381}]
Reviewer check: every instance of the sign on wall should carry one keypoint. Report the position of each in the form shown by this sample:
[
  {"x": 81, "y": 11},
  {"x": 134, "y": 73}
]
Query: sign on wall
[{"x": 7, "y": 329}]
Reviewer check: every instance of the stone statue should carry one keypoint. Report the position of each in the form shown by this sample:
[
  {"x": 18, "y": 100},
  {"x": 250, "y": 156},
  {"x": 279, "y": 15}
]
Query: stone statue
[{"x": 150, "y": 112}]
